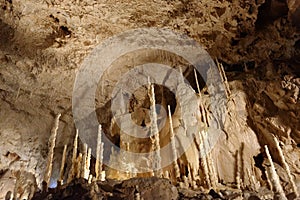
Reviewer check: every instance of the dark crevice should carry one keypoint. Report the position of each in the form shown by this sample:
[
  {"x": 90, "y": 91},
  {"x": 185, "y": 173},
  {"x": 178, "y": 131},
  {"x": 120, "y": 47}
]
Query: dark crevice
[
  {"x": 239, "y": 67},
  {"x": 65, "y": 30},
  {"x": 6, "y": 35},
  {"x": 269, "y": 12},
  {"x": 54, "y": 18},
  {"x": 259, "y": 159}
]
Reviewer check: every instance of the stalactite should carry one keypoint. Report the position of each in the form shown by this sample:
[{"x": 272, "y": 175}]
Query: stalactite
[
  {"x": 174, "y": 151},
  {"x": 286, "y": 167},
  {"x": 203, "y": 161},
  {"x": 62, "y": 167},
  {"x": 99, "y": 155},
  {"x": 72, "y": 173},
  {"x": 84, "y": 158},
  {"x": 154, "y": 133},
  {"x": 52, "y": 140},
  {"x": 274, "y": 177}
]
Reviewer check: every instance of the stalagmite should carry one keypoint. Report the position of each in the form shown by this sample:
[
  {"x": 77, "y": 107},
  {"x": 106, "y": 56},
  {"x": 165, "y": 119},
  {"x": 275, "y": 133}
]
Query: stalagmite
[
  {"x": 166, "y": 175},
  {"x": 62, "y": 167},
  {"x": 206, "y": 113},
  {"x": 9, "y": 196},
  {"x": 18, "y": 92},
  {"x": 224, "y": 78},
  {"x": 268, "y": 176},
  {"x": 181, "y": 75},
  {"x": 137, "y": 195},
  {"x": 72, "y": 173},
  {"x": 172, "y": 137},
  {"x": 154, "y": 133},
  {"x": 286, "y": 167},
  {"x": 210, "y": 171},
  {"x": 78, "y": 165},
  {"x": 90, "y": 178},
  {"x": 190, "y": 179},
  {"x": 202, "y": 110},
  {"x": 254, "y": 184},
  {"x": 274, "y": 177},
  {"x": 181, "y": 184},
  {"x": 210, "y": 165},
  {"x": 51, "y": 144},
  {"x": 214, "y": 172},
  {"x": 251, "y": 180},
  {"x": 103, "y": 176},
  {"x": 87, "y": 164},
  {"x": 99, "y": 155},
  {"x": 203, "y": 161},
  {"x": 186, "y": 182},
  {"x": 83, "y": 162},
  {"x": 75, "y": 146},
  {"x": 196, "y": 178},
  {"x": 197, "y": 83},
  {"x": 238, "y": 177}
]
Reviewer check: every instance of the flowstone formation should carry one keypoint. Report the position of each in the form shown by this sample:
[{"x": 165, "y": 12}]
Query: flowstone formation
[{"x": 256, "y": 45}]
